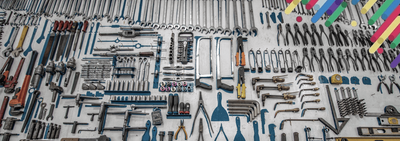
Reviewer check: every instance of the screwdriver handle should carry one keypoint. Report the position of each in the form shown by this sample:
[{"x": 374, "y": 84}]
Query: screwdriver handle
[
  {"x": 66, "y": 24},
  {"x": 55, "y": 26},
  {"x": 243, "y": 60},
  {"x": 176, "y": 101},
  {"x": 181, "y": 108},
  {"x": 85, "y": 25},
  {"x": 70, "y": 25},
  {"x": 170, "y": 103},
  {"x": 79, "y": 27},
  {"x": 60, "y": 26},
  {"x": 187, "y": 108}
]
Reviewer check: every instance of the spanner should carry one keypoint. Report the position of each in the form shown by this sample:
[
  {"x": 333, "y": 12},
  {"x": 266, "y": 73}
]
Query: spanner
[
  {"x": 244, "y": 30},
  {"x": 156, "y": 23},
  {"x": 50, "y": 115},
  {"x": 163, "y": 24},
  {"x": 183, "y": 15},
  {"x": 176, "y": 25},
  {"x": 42, "y": 109},
  {"x": 227, "y": 29},
  {"x": 236, "y": 27},
  {"x": 171, "y": 17},
  {"x": 219, "y": 28},
  {"x": 204, "y": 28},
  {"x": 212, "y": 28},
  {"x": 197, "y": 27},
  {"x": 191, "y": 11},
  {"x": 253, "y": 28},
  {"x": 151, "y": 16}
]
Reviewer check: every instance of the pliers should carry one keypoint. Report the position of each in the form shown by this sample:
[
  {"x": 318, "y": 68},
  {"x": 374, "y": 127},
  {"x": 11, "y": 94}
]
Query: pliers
[
  {"x": 341, "y": 34},
  {"x": 387, "y": 60},
  {"x": 348, "y": 37},
  {"x": 322, "y": 58},
  {"x": 201, "y": 106},
  {"x": 392, "y": 55},
  {"x": 307, "y": 32},
  {"x": 240, "y": 58},
  {"x": 378, "y": 66},
  {"x": 297, "y": 32},
  {"x": 342, "y": 59},
  {"x": 333, "y": 36},
  {"x": 348, "y": 57},
  {"x": 356, "y": 38},
  {"x": 382, "y": 60},
  {"x": 179, "y": 129},
  {"x": 382, "y": 81},
  {"x": 357, "y": 57},
  {"x": 321, "y": 28},
  {"x": 289, "y": 32},
  {"x": 314, "y": 55},
  {"x": 201, "y": 130},
  {"x": 305, "y": 55},
  {"x": 280, "y": 34},
  {"x": 332, "y": 57},
  {"x": 392, "y": 82},
  {"x": 315, "y": 33},
  {"x": 365, "y": 56}
]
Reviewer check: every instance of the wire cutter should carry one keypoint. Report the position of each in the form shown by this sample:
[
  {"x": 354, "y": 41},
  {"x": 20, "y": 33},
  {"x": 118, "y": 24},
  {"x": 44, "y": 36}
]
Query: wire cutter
[
  {"x": 201, "y": 106},
  {"x": 240, "y": 59},
  {"x": 392, "y": 81},
  {"x": 201, "y": 130},
  {"x": 281, "y": 34},
  {"x": 382, "y": 81},
  {"x": 297, "y": 32},
  {"x": 289, "y": 32},
  {"x": 179, "y": 129}
]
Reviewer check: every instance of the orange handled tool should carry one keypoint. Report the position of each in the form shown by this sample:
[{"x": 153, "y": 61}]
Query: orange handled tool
[{"x": 240, "y": 58}]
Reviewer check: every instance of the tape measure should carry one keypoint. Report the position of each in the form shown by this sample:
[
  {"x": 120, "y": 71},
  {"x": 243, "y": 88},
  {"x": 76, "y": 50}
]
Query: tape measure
[{"x": 336, "y": 79}]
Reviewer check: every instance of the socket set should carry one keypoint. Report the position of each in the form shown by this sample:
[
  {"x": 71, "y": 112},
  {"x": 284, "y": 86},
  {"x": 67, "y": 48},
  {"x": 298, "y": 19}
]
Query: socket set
[
  {"x": 172, "y": 86},
  {"x": 185, "y": 47},
  {"x": 140, "y": 100}
]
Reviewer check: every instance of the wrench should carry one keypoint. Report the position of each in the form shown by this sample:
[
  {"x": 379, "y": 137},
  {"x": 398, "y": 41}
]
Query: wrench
[
  {"x": 171, "y": 17},
  {"x": 205, "y": 29},
  {"x": 118, "y": 10},
  {"x": 183, "y": 15},
  {"x": 191, "y": 11},
  {"x": 50, "y": 115},
  {"x": 164, "y": 25},
  {"x": 219, "y": 28},
  {"x": 111, "y": 11},
  {"x": 244, "y": 30},
  {"x": 156, "y": 24},
  {"x": 236, "y": 27},
  {"x": 150, "y": 21},
  {"x": 362, "y": 24},
  {"x": 253, "y": 28},
  {"x": 212, "y": 28},
  {"x": 198, "y": 27},
  {"x": 128, "y": 10},
  {"x": 177, "y": 26},
  {"x": 42, "y": 110},
  {"x": 227, "y": 29}
]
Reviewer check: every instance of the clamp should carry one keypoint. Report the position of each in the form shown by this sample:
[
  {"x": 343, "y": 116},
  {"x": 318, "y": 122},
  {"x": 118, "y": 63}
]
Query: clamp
[
  {"x": 305, "y": 56},
  {"x": 393, "y": 82},
  {"x": 314, "y": 55},
  {"x": 349, "y": 57},
  {"x": 321, "y": 28},
  {"x": 332, "y": 57},
  {"x": 289, "y": 32},
  {"x": 297, "y": 32},
  {"x": 382, "y": 81},
  {"x": 280, "y": 34},
  {"x": 315, "y": 33}
]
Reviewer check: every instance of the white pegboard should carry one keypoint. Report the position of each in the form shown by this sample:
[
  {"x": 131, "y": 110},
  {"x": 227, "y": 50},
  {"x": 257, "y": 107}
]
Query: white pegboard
[{"x": 266, "y": 39}]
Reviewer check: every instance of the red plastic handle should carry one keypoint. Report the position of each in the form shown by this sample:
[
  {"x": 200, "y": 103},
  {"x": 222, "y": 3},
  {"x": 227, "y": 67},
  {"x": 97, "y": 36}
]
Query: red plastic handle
[
  {"x": 55, "y": 26},
  {"x": 85, "y": 25}
]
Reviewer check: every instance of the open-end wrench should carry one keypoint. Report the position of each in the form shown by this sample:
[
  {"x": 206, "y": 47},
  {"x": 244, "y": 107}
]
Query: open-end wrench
[
  {"x": 191, "y": 11},
  {"x": 91, "y": 12},
  {"x": 117, "y": 11},
  {"x": 111, "y": 11},
  {"x": 50, "y": 115},
  {"x": 204, "y": 29},
  {"x": 49, "y": 11},
  {"x": 212, "y": 29},
  {"x": 156, "y": 23},
  {"x": 183, "y": 15},
  {"x": 197, "y": 27},
  {"x": 85, "y": 8},
  {"x": 176, "y": 25},
  {"x": 227, "y": 30},
  {"x": 41, "y": 112},
  {"x": 219, "y": 28},
  {"x": 362, "y": 23},
  {"x": 101, "y": 10},
  {"x": 236, "y": 27},
  {"x": 128, "y": 15},
  {"x": 244, "y": 30},
  {"x": 151, "y": 16},
  {"x": 171, "y": 16},
  {"x": 108, "y": 9},
  {"x": 253, "y": 28},
  {"x": 163, "y": 24}
]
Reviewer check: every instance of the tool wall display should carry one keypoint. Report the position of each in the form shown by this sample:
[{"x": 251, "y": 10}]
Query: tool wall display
[{"x": 139, "y": 69}]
